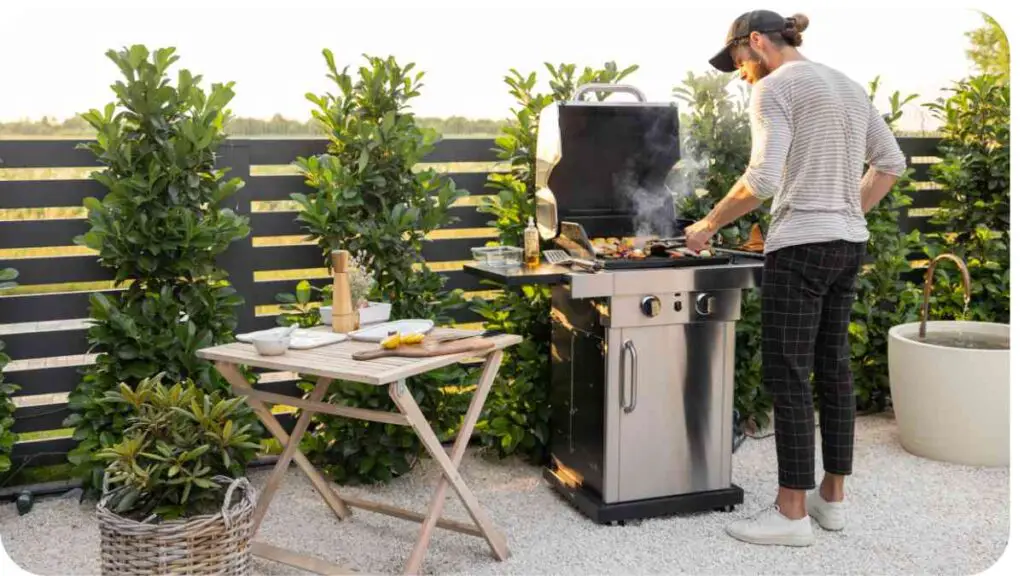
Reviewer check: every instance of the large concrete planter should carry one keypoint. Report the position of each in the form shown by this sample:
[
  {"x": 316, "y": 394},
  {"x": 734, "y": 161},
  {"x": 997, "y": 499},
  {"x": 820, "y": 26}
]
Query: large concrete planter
[{"x": 951, "y": 403}]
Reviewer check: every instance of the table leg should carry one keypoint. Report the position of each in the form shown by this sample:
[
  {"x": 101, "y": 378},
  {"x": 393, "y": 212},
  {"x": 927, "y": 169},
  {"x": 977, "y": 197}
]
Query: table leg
[
  {"x": 235, "y": 377},
  {"x": 281, "y": 468},
  {"x": 449, "y": 466}
]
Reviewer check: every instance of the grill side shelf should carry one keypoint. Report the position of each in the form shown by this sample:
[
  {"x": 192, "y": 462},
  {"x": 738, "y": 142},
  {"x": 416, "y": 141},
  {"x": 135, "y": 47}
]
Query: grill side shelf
[{"x": 545, "y": 274}]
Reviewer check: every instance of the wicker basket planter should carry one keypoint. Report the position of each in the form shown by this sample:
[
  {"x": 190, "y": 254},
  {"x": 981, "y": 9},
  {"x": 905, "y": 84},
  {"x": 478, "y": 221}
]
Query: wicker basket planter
[{"x": 209, "y": 544}]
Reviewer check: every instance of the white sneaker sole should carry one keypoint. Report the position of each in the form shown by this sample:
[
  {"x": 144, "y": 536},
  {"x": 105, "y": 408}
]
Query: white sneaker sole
[
  {"x": 794, "y": 540},
  {"x": 827, "y": 523}
]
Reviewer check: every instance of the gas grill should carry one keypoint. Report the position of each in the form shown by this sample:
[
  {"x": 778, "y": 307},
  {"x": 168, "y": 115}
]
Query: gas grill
[{"x": 643, "y": 334}]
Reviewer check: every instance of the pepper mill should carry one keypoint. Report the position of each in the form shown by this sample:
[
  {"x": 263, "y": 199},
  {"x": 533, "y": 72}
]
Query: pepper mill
[{"x": 343, "y": 318}]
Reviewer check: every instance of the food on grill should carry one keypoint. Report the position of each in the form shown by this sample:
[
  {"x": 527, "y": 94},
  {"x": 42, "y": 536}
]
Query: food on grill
[
  {"x": 625, "y": 248},
  {"x": 756, "y": 241}
]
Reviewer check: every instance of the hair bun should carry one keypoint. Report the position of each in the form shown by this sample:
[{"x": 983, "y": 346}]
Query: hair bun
[{"x": 800, "y": 22}]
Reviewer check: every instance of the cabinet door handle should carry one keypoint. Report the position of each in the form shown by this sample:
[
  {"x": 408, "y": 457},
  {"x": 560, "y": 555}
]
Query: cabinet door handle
[{"x": 628, "y": 346}]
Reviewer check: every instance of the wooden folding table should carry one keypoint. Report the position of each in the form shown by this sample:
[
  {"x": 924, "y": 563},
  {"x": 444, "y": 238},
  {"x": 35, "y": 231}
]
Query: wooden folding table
[{"x": 335, "y": 362}]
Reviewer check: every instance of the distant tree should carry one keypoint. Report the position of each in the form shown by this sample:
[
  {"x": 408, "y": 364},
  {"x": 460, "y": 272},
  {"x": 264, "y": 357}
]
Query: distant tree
[{"x": 990, "y": 50}]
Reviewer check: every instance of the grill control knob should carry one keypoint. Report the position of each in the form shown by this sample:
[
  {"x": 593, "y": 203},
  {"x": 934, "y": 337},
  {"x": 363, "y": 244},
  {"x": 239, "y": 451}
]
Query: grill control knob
[
  {"x": 650, "y": 306},
  {"x": 705, "y": 304}
]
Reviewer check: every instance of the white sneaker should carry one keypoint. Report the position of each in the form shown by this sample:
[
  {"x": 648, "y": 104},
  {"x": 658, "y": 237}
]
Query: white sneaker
[
  {"x": 770, "y": 526},
  {"x": 830, "y": 515}
]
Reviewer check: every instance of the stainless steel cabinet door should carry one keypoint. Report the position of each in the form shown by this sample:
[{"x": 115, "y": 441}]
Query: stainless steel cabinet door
[{"x": 670, "y": 419}]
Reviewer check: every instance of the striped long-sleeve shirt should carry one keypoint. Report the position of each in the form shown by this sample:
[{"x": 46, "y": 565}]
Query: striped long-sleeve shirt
[{"x": 813, "y": 129}]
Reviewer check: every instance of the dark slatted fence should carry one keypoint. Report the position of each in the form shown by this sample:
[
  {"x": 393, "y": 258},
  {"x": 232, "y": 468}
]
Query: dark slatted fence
[{"x": 42, "y": 322}]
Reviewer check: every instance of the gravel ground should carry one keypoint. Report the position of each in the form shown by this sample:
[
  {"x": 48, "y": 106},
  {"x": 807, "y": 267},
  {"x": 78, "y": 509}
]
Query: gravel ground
[{"x": 908, "y": 515}]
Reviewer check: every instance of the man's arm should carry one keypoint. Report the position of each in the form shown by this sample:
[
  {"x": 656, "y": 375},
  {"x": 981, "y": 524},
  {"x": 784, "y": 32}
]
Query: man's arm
[
  {"x": 739, "y": 202},
  {"x": 873, "y": 187},
  {"x": 886, "y": 162}
]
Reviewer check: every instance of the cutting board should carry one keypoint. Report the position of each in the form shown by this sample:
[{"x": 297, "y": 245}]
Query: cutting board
[{"x": 426, "y": 351}]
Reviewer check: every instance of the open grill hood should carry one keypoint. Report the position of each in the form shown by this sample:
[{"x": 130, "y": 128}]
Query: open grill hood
[{"x": 604, "y": 165}]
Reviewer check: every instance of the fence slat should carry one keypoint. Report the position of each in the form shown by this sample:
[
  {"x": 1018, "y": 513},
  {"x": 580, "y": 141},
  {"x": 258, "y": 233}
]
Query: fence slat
[
  {"x": 41, "y": 233},
  {"x": 277, "y": 188},
  {"x": 449, "y": 250},
  {"x": 46, "y": 344},
  {"x": 285, "y": 224},
  {"x": 39, "y": 418},
  {"x": 264, "y": 293},
  {"x": 46, "y": 307},
  {"x": 923, "y": 224},
  {"x": 919, "y": 146},
  {"x": 43, "y": 452},
  {"x": 921, "y": 172},
  {"x": 47, "y": 193},
  {"x": 272, "y": 151},
  {"x": 290, "y": 257},
  {"x": 928, "y": 198},
  {"x": 46, "y": 380},
  {"x": 44, "y": 154},
  {"x": 59, "y": 270}
]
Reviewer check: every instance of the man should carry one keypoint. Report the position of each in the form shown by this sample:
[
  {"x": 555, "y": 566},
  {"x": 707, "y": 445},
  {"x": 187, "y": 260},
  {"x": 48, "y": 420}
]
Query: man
[{"x": 813, "y": 129}]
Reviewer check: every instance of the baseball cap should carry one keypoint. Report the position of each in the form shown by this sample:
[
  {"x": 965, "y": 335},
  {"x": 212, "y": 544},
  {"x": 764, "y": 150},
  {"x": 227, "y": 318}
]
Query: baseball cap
[{"x": 763, "y": 21}]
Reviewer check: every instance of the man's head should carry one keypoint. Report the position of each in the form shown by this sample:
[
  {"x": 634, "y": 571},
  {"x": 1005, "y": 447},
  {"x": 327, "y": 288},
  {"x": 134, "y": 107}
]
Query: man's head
[{"x": 759, "y": 42}]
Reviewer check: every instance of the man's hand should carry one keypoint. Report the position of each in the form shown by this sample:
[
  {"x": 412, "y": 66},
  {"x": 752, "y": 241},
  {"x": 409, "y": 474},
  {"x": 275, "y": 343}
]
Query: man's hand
[{"x": 699, "y": 234}]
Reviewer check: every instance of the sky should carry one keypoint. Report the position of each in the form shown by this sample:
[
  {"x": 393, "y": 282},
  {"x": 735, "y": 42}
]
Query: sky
[{"x": 54, "y": 63}]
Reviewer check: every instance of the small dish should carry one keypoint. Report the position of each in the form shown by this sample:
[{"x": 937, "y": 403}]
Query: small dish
[
  {"x": 272, "y": 345},
  {"x": 498, "y": 256}
]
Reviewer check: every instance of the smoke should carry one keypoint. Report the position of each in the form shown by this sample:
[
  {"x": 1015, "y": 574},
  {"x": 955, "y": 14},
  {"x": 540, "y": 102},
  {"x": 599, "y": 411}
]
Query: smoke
[
  {"x": 666, "y": 176},
  {"x": 689, "y": 174},
  {"x": 652, "y": 205},
  {"x": 654, "y": 213}
]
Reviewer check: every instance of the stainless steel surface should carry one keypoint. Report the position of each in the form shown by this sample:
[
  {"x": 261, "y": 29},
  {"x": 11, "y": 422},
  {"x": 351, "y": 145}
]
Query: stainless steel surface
[
  {"x": 679, "y": 439},
  {"x": 628, "y": 346},
  {"x": 742, "y": 274},
  {"x": 650, "y": 306},
  {"x": 597, "y": 87},
  {"x": 624, "y": 311}
]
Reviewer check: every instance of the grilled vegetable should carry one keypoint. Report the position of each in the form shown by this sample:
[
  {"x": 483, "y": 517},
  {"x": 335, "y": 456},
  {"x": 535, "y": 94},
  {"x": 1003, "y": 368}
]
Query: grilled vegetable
[
  {"x": 392, "y": 341},
  {"x": 415, "y": 338}
]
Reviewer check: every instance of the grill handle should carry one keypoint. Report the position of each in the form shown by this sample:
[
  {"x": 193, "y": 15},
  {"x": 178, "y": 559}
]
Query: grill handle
[
  {"x": 624, "y": 88},
  {"x": 627, "y": 346}
]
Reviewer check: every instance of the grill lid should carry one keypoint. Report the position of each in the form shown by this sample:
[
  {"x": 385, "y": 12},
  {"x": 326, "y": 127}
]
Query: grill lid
[{"x": 604, "y": 165}]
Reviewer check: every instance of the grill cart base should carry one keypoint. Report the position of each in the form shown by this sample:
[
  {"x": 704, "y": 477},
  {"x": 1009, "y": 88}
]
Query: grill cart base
[{"x": 590, "y": 504}]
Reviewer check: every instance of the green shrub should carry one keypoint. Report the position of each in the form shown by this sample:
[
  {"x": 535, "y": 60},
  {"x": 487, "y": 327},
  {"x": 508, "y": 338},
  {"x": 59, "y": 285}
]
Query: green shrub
[
  {"x": 975, "y": 218},
  {"x": 177, "y": 440},
  {"x": 368, "y": 200},
  {"x": 884, "y": 297},
  {"x": 7, "y": 407},
  {"x": 515, "y": 418},
  {"x": 160, "y": 228}
]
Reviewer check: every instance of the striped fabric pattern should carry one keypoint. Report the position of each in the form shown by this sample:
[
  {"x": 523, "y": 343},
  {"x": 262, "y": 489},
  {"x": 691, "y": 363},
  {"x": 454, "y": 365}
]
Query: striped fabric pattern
[{"x": 813, "y": 129}]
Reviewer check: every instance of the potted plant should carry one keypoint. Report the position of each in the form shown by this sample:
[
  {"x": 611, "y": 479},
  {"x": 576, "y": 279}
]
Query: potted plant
[
  {"x": 175, "y": 499},
  {"x": 361, "y": 283}
]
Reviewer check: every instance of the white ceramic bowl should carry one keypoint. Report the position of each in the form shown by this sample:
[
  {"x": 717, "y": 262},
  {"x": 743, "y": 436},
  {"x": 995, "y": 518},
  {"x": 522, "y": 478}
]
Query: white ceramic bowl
[{"x": 271, "y": 345}]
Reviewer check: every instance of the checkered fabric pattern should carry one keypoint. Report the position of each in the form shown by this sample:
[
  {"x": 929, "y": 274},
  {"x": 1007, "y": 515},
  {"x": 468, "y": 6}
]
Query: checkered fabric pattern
[{"x": 808, "y": 292}]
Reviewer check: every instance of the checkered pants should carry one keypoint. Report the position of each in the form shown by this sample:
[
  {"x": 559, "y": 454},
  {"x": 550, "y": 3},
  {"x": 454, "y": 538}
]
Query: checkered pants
[{"x": 808, "y": 292}]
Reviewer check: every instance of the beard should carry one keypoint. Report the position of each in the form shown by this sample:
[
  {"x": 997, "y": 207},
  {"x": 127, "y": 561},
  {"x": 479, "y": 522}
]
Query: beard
[{"x": 759, "y": 68}]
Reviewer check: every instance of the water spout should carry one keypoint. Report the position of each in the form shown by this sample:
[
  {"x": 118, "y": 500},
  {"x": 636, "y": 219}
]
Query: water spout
[{"x": 928, "y": 286}]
